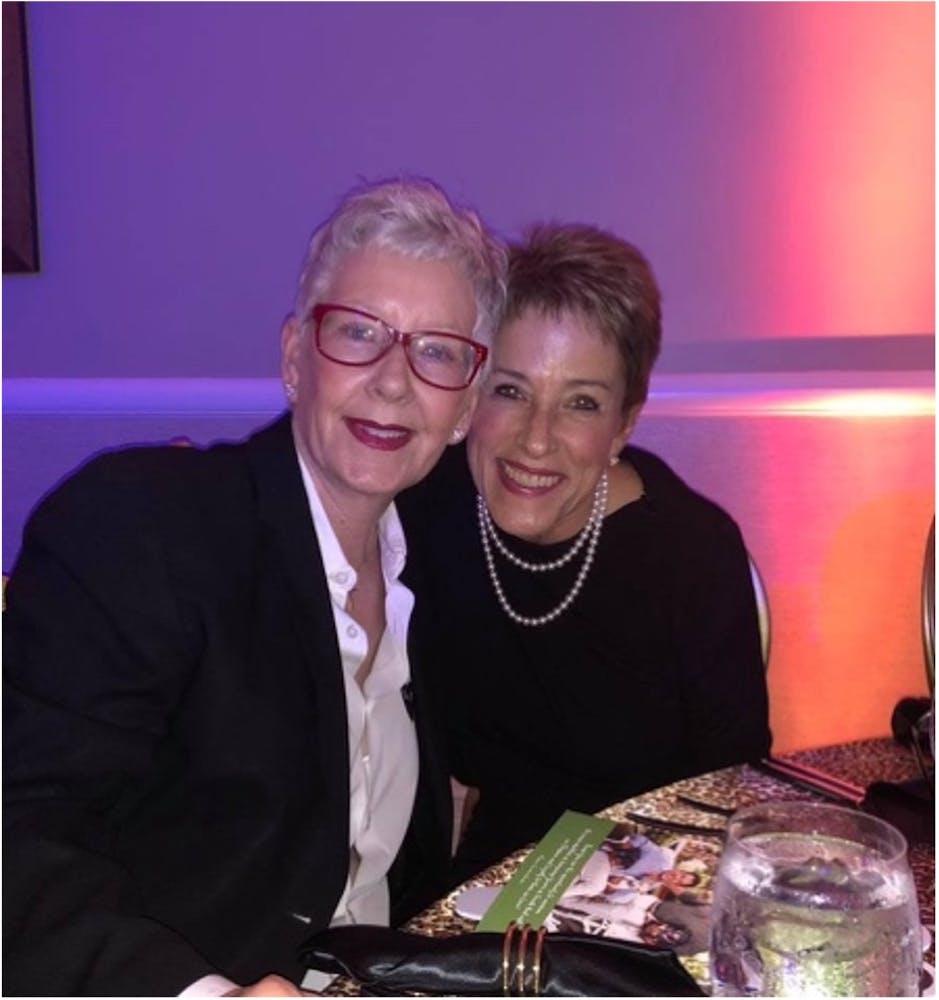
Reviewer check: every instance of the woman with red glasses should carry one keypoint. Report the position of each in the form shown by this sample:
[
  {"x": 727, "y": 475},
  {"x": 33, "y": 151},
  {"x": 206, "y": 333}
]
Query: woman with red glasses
[{"x": 216, "y": 739}]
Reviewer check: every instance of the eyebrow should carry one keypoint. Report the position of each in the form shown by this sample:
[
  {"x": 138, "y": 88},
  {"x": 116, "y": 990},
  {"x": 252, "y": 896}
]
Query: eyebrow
[
  {"x": 441, "y": 327},
  {"x": 575, "y": 383}
]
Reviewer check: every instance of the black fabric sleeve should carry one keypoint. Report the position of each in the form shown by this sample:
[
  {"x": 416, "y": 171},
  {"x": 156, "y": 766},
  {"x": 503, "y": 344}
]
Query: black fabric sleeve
[
  {"x": 94, "y": 663},
  {"x": 718, "y": 646}
]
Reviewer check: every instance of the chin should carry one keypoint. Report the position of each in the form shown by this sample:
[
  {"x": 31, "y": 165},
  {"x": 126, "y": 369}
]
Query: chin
[
  {"x": 524, "y": 530},
  {"x": 371, "y": 484}
]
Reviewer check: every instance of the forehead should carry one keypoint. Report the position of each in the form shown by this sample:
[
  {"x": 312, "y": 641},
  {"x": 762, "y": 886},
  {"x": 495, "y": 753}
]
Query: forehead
[
  {"x": 405, "y": 291},
  {"x": 539, "y": 344}
]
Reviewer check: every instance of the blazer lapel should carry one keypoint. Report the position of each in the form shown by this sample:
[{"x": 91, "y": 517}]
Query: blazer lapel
[
  {"x": 287, "y": 524},
  {"x": 285, "y": 516}
]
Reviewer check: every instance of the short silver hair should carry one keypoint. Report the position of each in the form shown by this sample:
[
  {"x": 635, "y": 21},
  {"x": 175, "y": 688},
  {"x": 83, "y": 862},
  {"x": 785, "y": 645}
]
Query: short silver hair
[{"x": 411, "y": 216}]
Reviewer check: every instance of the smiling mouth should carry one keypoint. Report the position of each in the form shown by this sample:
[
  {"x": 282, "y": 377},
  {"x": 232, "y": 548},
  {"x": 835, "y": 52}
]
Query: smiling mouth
[
  {"x": 515, "y": 475},
  {"x": 381, "y": 437}
]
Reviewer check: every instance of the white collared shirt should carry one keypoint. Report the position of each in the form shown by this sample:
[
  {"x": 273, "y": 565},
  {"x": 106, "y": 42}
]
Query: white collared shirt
[{"x": 383, "y": 756}]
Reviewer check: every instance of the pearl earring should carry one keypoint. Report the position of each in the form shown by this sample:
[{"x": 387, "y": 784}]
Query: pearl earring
[
  {"x": 290, "y": 391},
  {"x": 613, "y": 460},
  {"x": 457, "y": 436}
]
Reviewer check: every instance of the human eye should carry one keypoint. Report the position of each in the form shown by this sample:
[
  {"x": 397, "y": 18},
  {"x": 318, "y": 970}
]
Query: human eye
[
  {"x": 354, "y": 330},
  {"x": 438, "y": 351},
  {"x": 583, "y": 401},
  {"x": 506, "y": 390}
]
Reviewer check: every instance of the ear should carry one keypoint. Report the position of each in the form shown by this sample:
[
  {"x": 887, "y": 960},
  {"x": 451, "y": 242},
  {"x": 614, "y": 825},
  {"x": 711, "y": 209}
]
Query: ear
[
  {"x": 462, "y": 425},
  {"x": 290, "y": 346},
  {"x": 630, "y": 419}
]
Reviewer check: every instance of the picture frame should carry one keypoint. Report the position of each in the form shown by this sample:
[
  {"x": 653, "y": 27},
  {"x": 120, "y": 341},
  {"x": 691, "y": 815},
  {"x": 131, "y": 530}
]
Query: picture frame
[{"x": 20, "y": 230}]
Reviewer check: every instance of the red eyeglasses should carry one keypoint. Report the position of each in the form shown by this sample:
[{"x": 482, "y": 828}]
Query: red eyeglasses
[{"x": 354, "y": 337}]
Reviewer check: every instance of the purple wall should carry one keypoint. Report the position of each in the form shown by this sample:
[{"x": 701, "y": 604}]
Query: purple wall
[{"x": 185, "y": 151}]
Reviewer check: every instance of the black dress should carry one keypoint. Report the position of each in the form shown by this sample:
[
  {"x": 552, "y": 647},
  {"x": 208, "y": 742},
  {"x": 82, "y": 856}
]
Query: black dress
[{"x": 654, "y": 673}]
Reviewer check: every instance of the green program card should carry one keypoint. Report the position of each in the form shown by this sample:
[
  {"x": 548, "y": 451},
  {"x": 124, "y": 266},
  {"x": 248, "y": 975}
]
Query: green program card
[{"x": 541, "y": 879}]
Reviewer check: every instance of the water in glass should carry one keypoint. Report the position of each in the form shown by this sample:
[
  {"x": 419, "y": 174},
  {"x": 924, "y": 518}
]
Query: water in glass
[{"x": 804, "y": 912}]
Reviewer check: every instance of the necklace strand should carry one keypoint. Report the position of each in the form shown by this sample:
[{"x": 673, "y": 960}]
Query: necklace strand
[
  {"x": 596, "y": 511},
  {"x": 589, "y": 535}
]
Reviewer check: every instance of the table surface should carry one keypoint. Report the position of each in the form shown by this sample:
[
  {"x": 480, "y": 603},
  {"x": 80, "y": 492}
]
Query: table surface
[{"x": 860, "y": 763}]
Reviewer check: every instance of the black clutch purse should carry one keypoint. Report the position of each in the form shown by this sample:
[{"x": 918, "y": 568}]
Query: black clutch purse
[{"x": 522, "y": 962}]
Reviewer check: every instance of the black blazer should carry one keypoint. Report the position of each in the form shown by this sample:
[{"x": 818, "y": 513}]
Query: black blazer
[{"x": 175, "y": 746}]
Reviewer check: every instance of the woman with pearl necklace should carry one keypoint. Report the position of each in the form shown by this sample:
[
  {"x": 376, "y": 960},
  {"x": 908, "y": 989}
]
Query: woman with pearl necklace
[{"x": 590, "y": 617}]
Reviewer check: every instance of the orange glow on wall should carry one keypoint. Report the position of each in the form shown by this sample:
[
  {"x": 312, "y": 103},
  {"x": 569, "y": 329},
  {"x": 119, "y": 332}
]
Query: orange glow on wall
[{"x": 843, "y": 510}]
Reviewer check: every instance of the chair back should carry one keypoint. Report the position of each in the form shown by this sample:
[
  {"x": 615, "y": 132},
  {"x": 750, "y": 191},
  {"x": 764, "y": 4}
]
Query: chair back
[
  {"x": 929, "y": 606},
  {"x": 762, "y": 609}
]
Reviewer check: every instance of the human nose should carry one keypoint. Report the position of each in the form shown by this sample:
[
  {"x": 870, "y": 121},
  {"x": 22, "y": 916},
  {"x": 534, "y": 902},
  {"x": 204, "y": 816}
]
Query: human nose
[
  {"x": 537, "y": 432},
  {"x": 391, "y": 373}
]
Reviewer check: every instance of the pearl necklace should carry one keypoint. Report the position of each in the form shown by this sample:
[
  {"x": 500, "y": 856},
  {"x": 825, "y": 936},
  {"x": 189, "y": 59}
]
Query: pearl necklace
[{"x": 589, "y": 535}]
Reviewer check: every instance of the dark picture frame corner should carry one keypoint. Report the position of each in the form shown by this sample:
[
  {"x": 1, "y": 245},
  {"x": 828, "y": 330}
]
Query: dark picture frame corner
[{"x": 20, "y": 227}]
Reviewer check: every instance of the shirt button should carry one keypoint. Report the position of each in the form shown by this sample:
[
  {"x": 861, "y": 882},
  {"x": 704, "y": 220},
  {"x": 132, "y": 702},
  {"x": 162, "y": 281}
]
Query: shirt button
[
  {"x": 342, "y": 576},
  {"x": 352, "y": 631}
]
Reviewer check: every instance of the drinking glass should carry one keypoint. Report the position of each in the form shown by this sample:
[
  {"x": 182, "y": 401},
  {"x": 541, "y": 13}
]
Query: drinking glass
[{"x": 814, "y": 900}]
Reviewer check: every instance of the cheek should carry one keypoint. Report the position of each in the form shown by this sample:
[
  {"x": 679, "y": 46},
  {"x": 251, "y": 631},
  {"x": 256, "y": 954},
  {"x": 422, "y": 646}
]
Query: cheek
[
  {"x": 334, "y": 387},
  {"x": 476, "y": 459},
  {"x": 316, "y": 381},
  {"x": 442, "y": 411},
  {"x": 482, "y": 443},
  {"x": 596, "y": 448},
  {"x": 489, "y": 426},
  {"x": 312, "y": 426}
]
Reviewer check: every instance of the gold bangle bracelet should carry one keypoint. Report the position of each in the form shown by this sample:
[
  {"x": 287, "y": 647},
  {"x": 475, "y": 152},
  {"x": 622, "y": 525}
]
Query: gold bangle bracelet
[
  {"x": 506, "y": 951},
  {"x": 520, "y": 964},
  {"x": 536, "y": 963}
]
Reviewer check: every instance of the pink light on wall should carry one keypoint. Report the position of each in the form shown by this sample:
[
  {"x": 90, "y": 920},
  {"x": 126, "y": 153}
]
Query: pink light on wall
[{"x": 853, "y": 185}]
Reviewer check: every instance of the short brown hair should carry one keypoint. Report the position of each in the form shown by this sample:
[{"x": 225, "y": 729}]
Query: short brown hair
[{"x": 581, "y": 269}]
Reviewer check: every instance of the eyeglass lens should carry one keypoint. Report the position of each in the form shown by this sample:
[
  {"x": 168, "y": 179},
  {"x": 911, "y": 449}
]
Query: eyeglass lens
[{"x": 438, "y": 358}]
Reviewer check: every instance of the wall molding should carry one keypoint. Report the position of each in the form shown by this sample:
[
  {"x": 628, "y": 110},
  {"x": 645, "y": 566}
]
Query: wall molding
[{"x": 851, "y": 393}]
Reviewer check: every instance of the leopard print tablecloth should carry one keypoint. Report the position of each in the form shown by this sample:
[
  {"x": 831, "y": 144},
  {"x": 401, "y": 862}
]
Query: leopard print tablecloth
[{"x": 860, "y": 763}]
